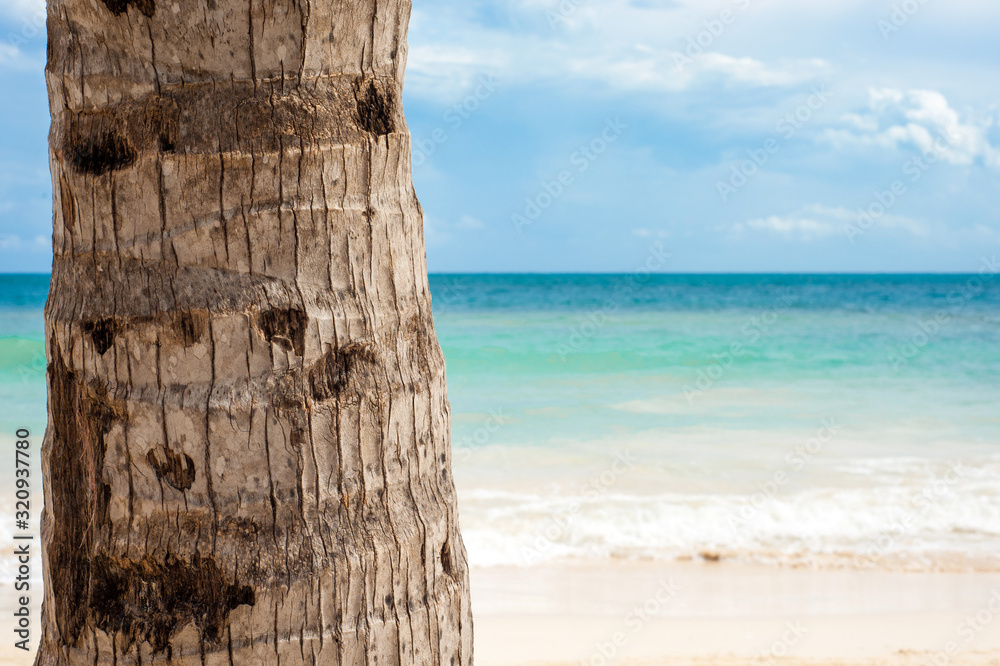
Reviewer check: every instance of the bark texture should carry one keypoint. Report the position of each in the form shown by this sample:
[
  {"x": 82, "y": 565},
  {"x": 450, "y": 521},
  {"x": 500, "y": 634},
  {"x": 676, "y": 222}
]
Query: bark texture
[{"x": 248, "y": 457}]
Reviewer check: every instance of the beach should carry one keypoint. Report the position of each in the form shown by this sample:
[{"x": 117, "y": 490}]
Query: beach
[
  {"x": 698, "y": 469},
  {"x": 727, "y": 470},
  {"x": 721, "y": 614},
  {"x": 718, "y": 613}
]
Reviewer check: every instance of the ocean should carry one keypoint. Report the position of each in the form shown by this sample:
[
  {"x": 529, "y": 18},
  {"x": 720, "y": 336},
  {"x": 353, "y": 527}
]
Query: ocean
[{"x": 793, "y": 420}]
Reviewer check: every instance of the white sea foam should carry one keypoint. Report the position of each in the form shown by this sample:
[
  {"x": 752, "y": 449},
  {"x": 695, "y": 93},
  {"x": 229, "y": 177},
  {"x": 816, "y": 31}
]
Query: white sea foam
[{"x": 909, "y": 512}]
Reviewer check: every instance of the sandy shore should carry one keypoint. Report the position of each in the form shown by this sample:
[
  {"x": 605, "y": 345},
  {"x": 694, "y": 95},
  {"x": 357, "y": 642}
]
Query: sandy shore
[{"x": 701, "y": 613}]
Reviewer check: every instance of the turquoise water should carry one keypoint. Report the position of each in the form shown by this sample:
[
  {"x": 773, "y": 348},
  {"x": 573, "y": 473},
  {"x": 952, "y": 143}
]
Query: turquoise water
[
  {"x": 567, "y": 361},
  {"x": 716, "y": 389},
  {"x": 22, "y": 354},
  {"x": 827, "y": 420}
]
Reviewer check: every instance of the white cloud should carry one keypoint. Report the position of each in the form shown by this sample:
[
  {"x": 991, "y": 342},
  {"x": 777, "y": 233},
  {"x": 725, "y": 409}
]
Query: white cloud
[
  {"x": 669, "y": 71},
  {"x": 804, "y": 228},
  {"x": 922, "y": 119},
  {"x": 865, "y": 123},
  {"x": 447, "y": 73},
  {"x": 617, "y": 44},
  {"x": 439, "y": 232},
  {"x": 816, "y": 221},
  {"x": 470, "y": 223},
  {"x": 13, "y": 58},
  {"x": 15, "y": 243},
  {"x": 9, "y": 54}
]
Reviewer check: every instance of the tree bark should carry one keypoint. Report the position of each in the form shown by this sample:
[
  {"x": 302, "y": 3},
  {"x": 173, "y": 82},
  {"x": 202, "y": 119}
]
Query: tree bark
[{"x": 248, "y": 456}]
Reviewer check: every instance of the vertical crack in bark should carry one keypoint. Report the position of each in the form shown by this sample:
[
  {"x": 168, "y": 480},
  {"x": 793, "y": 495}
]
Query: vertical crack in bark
[
  {"x": 82, "y": 416},
  {"x": 208, "y": 439},
  {"x": 252, "y": 48}
]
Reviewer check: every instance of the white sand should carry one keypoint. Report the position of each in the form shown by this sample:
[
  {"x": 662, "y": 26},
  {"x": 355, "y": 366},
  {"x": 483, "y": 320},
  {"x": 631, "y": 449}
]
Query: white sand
[{"x": 730, "y": 614}]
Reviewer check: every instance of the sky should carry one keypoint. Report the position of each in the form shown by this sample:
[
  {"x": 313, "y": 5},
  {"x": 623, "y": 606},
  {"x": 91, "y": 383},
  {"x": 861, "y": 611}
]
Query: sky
[{"x": 686, "y": 135}]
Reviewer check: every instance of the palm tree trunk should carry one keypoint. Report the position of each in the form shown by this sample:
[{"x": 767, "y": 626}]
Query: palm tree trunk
[{"x": 248, "y": 456}]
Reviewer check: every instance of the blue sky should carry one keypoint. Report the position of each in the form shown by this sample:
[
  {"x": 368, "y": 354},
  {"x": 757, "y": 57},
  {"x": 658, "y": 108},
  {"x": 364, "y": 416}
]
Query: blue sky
[{"x": 736, "y": 135}]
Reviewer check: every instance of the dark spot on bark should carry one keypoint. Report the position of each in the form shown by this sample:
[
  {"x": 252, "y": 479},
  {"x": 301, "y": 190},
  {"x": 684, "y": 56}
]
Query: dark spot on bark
[
  {"x": 190, "y": 326},
  {"x": 167, "y": 144},
  {"x": 285, "y": 328},
  {"x": 443, "y": 457},
  {"x": 389, "y": 601},
  {"x": 119, "y": 7},
  {"x": 102, "y": 333},
  {"x": 376, "y": 109},
  {"x": 149, "y": 600},
  {"x": 336, "y": 370},
  {"x": 100, "y": 153},
  {"x": 177, "y": 469},
  {"x": 82, "y": 415},
  {"x": 446, "y": 561},
  {"x": 369, "y": 212}
]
